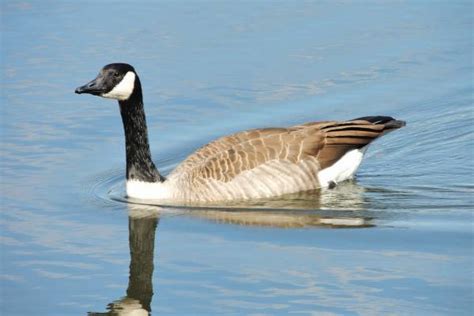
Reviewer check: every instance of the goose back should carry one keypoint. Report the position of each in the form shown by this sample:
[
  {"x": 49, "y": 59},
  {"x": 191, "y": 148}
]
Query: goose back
[{"x": 271, "y": 161}]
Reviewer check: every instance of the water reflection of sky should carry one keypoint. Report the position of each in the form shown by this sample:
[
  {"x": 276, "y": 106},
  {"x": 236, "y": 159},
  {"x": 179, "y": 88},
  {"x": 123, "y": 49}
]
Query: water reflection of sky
[{"x": 211, "y": 68}]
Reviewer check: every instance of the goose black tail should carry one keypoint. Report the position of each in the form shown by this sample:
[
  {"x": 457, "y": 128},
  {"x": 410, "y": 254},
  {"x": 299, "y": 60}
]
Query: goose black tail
[{"x": 389, "y": 122}]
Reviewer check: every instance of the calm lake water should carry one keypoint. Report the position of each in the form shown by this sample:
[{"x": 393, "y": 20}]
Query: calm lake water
[{"x": 397, "y": 240}]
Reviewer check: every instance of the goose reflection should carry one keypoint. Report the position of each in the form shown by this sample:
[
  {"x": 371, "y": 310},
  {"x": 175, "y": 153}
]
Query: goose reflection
[
  {"x": 342, "y": 207},
  {"x": 142, "y": 224}
]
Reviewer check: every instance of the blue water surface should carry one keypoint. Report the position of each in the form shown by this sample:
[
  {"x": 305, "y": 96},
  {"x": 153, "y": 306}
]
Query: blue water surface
[{"x": 397, "y": 240}]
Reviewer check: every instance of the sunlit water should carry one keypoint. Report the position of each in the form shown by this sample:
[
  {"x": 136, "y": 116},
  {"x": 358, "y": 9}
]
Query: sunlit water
[{"x": 71, "y": 244}]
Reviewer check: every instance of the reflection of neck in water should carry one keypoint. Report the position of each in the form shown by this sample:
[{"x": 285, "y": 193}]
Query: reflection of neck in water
[
  {"x": 142, "y": 244},
  {"x": 142, "y": 226}
]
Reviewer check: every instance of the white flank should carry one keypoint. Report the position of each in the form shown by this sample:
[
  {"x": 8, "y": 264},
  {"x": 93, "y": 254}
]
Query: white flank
[
  {"x": 264, "y": 181},
  {"x": 124, "y": 89},
  {"x": 149, "y": 190},
  {"x": 342, "y": 169}
]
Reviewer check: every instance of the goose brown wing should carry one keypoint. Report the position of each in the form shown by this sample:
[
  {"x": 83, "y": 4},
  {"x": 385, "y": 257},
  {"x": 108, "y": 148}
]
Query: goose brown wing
[
  {"x": 322, "y": 142},
  {"x": 228, "y": 156},
  {"x": 341, "y": 137}
]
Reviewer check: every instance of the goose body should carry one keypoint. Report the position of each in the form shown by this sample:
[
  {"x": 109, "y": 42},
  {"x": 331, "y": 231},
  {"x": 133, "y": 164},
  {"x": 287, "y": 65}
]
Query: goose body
[{"x": 252, "y": 164}]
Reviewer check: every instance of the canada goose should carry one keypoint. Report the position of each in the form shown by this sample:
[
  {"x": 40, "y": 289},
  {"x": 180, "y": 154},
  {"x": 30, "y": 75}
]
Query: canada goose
[{"x": 257, "y": 163}]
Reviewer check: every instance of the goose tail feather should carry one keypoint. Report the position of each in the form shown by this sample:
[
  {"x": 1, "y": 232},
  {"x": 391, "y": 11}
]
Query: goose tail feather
[{"x": 388, "y": 122}]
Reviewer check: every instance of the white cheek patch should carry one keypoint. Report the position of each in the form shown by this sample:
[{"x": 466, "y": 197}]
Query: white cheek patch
[{"x": 124, "y": 89}]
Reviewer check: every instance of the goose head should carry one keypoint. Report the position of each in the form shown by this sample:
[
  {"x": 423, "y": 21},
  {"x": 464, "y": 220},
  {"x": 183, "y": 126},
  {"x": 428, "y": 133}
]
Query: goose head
[{"x": 115, "y": 81}]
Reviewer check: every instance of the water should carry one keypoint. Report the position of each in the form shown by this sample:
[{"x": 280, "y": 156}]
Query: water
[{"x": 402, "y": 233}]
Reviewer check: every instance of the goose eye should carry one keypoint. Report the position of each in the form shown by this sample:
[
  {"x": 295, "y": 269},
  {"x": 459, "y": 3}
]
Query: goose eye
[{"x": 116, "y": 74}]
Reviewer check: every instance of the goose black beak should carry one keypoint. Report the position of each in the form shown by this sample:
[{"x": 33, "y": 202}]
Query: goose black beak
[{"x": 91, "y": 87}]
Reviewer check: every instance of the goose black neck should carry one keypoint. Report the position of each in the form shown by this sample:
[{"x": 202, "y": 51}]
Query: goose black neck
[{"x": 139, "y": 164}]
